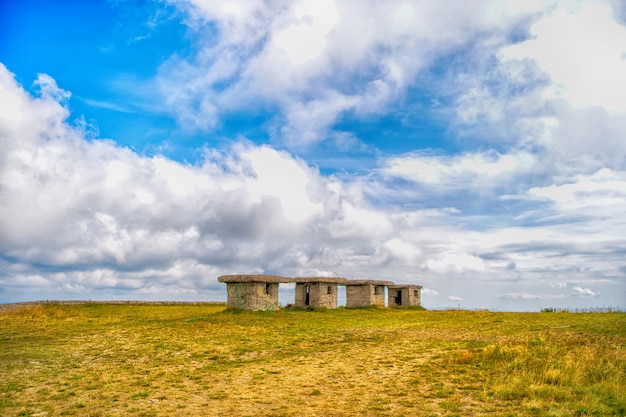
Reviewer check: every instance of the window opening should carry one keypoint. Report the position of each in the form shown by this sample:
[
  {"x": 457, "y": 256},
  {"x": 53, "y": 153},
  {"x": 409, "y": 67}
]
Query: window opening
[
  {"x": 268, "y": 288},
  {"x": 307, "y": 300}
]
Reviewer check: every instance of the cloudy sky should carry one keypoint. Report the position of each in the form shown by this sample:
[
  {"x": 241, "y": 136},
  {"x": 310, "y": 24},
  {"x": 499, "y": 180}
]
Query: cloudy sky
[{"x": 477, "y": 148}]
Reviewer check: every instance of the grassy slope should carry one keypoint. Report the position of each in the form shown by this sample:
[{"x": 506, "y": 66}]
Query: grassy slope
[{"x": 153, "y": 360}]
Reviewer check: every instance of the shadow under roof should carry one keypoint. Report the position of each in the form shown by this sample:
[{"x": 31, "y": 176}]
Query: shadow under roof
[
  {"x": 327, "y": 280},
  {"x": 267, "y": 279}
]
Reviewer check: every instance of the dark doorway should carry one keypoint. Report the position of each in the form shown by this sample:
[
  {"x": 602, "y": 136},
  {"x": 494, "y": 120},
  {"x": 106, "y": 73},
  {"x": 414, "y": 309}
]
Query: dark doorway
[
  {"x": 307, "y": 299},
  {"x": 399, "y": 298}
]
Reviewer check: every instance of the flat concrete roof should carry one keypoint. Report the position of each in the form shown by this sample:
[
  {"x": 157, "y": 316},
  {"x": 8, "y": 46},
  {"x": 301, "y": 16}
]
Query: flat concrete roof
[
  {"x": 268, "y": 279},
  {"x": 411, "y": 286},
  {"x": 327, "y": 280},
  {"x": 369, "y": 282}
]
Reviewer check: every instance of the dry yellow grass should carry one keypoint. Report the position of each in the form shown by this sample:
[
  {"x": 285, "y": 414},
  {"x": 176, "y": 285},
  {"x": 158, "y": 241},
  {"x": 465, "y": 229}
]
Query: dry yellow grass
[{"x": 147, "y": 360}]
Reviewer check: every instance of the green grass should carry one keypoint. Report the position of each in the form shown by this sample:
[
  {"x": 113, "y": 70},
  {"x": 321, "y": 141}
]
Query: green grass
[{"x": 161, "y": 360}]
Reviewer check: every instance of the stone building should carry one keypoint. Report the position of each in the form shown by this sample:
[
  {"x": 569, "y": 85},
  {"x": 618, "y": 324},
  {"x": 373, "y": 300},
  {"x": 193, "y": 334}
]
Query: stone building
[
  {"x": 253, "y": 292},
  {"x": 317, "y": 291},
  {"x": 366, "y": 293},
  {"x": 404, "y": 295}
]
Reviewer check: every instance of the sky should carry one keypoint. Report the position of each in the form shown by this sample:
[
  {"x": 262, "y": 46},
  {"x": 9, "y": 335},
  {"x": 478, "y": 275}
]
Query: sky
[{"x": 475, "y": 148}]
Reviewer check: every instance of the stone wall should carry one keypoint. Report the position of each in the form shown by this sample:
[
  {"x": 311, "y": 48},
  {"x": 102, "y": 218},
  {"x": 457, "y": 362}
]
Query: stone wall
[
  {"x": 378, "y": 295},
  {"x": 416, "y": 296},
  {"x": 252, "y": 295},
  {"x": 358, "y": 296},
  {"x": 365, "y": 295}
]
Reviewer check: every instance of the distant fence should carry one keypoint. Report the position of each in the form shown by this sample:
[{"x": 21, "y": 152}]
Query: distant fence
[
  {"x": 129, "y": 302},
  {"x": 609, "y": 309}
]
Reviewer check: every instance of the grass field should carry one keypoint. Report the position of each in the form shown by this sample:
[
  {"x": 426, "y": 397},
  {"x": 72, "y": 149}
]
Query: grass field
[{"x": 200, "y": 360}]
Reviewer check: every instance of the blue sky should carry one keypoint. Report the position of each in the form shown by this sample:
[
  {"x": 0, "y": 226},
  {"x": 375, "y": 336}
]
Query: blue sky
[{"x": 475, "y": 149}]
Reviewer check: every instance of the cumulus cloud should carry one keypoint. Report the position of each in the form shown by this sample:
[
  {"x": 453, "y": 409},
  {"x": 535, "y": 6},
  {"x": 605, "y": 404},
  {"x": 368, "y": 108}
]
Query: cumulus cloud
[
  {"x": 459, "y": 262},
  {"x": 428, "y": 291},
  {"x": 478, "y": 170},
  {"x": 585, "y": 292},
  {"x": 80, "y": 214},
  {"x": 355, "y": 59},
  {"x": 604, "y": 190},
  {"x": 572, "y": 45},
  {"x": 454, "y": 298},
  {"x": 569, "y": 69},
  {"x": 314, "y": 61}
]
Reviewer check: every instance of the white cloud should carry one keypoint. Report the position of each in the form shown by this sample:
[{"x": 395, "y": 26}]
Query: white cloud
[
  {"x": 599, "y": 195},
  {"x": 314, "y": 60},
  {"x": 582, "y": 49},
  {"x": 280, "y": 175},
  {"x": 456, "y": 262},
  {"x": 403, "y": 251},
  {"x": 479, "y": 170},
  {"x": 601, "y": 182},
  {"x": 585, "y": 292},
  {"x": 306, "y": 39},
  {"x": 557, "y": 94},
  {"x": 113, "y": 219},
  {"x": 454, "y": 298},
  {"x": 527, "y": 296}
]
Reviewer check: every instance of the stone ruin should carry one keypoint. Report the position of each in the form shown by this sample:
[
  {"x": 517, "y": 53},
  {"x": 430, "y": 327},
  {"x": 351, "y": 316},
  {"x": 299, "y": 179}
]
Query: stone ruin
[
  {"x": 404, "y": 295},
  {"x": 253, "y": 292},
  {"x": 317, "y": 292},
  {"x": 260, "y": 292},
  {"x": 366, "y": 293}
]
